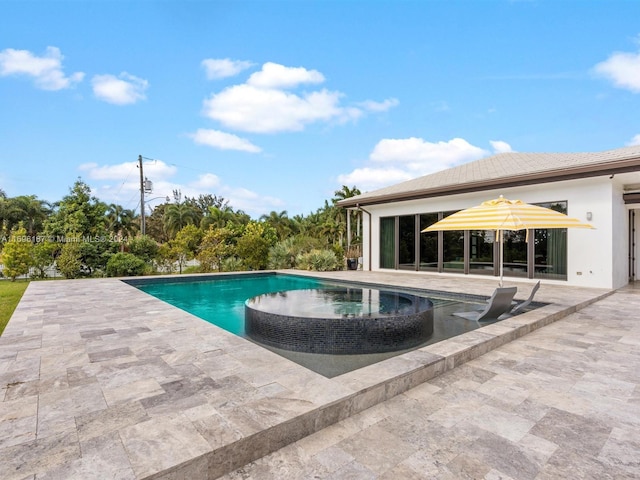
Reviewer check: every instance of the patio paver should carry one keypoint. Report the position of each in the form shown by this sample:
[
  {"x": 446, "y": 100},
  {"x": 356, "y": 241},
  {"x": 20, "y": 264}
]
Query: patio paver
[
  {"x": 561, "y": 402},
  {"x": 98, "y": 379}
]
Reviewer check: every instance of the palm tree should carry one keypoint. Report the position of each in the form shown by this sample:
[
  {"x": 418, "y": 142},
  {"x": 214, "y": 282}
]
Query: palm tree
[
  {"x": 280, "y": 221},
  {"x": 9, "y": 214},
  {"x": 121, "y": 221},
  {"x": 343, "y": 193},
  {"x": 34, "y": 213},
  {"x": 25, "y": 209},
  {"x": 177, "y": 216},
  {"x": 218, "y": 217}
]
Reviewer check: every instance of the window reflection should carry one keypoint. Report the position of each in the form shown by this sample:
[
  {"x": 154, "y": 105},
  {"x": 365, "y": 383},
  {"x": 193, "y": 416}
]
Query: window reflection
[
  {"x": 428, "y": 243},
  {"x": 481, "y": 248},
  {"x": 453, "y": 248}
]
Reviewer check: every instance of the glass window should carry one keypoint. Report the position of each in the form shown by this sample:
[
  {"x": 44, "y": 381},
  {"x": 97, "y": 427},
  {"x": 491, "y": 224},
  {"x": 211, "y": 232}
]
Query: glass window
[
  {"x": 481, "y": 248},
  {"x": 550, "y": 248},
  {"x": 515, "y": 253},
  {"x": 453, "y": 248},
  {"x": 544, "y": 257},
  {"x": 407, "y": 242},
  {"x": 387, "y": 242},
  {"x": 428, "y": 243}
]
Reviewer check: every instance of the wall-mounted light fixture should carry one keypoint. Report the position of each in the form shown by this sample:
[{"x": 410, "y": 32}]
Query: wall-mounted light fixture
[{"x": 589, "y": 216}]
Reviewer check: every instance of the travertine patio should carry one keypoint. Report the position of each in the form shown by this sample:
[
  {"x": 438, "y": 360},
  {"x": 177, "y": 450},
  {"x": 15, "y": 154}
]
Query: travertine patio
[{"x": 100, "y": 380}]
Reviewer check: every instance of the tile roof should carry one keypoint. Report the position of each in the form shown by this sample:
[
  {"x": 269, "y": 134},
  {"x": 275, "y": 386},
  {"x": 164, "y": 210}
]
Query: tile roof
[{"x": 506, "y": 169}]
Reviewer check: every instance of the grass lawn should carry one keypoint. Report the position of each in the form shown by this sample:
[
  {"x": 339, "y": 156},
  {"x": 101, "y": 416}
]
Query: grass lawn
[{"x": 10, "y": 295}]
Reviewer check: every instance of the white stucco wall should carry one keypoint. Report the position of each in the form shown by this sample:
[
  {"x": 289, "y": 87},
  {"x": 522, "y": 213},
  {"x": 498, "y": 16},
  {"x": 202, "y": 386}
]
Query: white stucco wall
[
  {"x": 596, "y": 258},
  {"x": 619, "y": 238},
  {"x": 636, "y": 247}
]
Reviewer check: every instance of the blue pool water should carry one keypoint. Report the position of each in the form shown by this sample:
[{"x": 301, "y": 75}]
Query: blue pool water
[{"x": 221, "y": 301}]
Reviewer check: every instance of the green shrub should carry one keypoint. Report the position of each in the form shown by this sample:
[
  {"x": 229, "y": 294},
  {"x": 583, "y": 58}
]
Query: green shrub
[
  {"x": 125, "y": 265},
  {"x": 69, "y": 262},
  {"x": 284, "y": 253},
  {"x": 17, "y": 255},
  {"x": 232, "y": 264},
  {"x": 144, "y": 247},
  {"x": 318, "y": 260},
  {"x": 193, "y": 269}
]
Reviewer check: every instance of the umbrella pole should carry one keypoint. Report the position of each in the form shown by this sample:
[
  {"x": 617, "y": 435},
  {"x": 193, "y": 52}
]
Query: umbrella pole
[{"x": 501, "y": 250}]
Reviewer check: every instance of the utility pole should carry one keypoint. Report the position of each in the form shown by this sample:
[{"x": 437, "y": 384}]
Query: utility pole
[{"x": 141, "y": 195}]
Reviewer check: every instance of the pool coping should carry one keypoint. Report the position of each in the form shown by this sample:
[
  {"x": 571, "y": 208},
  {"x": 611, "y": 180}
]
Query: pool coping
[{"x": 122, "y": 370}]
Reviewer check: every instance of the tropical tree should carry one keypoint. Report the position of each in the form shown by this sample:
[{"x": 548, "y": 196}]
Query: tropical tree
[
  {"x": 78, "y": 212},
  {"x": 254, "y": 244},
  {"x": 281, "y": 222},
  {"x": 124, "y": 264},
  {"x": 10, "y": 215},
  {"x": 217, "y": 245},
  {"x": 217, "y": 217},
  {"x": 42, "y": 255},
  {"x": 167, "y": 258},
  {"x": 205, "y": 201},
  {"x": 154, "y": 224},
  {"x": 32, "y": 212},
  {"x": 144, "y": 247},
  {"x": 16, "y": 254},
  {"x": 343, "y": 193},
  {"x": 121, "y": 221},
  {"x": 69, "y": 262},
  {"x": 185, "y": 244},
  {"x": 177, "y": 216}
]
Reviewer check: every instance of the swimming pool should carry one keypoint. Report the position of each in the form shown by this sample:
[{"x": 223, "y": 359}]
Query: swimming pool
[{"x": 221, "y": 300}]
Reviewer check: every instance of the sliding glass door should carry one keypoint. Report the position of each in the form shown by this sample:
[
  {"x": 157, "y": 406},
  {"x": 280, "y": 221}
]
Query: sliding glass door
[
  {"x": 482, "y": 246},
  {"x": 550, "y": 248},
  {"x": 404, "y": 247},
  {"x": 407, "y": 242},
  {"x": 428, "y": 243},
  {"x": 388, "y": 242}
]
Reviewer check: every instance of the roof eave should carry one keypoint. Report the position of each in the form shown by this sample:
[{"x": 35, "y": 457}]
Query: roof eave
[{"x": 609, "y": 168}]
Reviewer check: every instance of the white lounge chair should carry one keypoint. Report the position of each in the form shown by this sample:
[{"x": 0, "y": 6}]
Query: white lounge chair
[
  {"x": 498, "y": 304},
  {"x": 521, "y": 306}
]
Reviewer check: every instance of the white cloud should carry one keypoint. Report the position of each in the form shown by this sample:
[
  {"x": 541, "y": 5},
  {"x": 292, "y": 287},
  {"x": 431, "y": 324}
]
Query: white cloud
[
  {"x": 45, "y": 70},
  {"x": 224, "y": 67},
  {"x": 267, "y": 104},
  {"x": 223, "y": 141},
  {"x": 634, "y": 141},
  {"x": 383, "y": 106},
  {"x": 274, "y": 75},
  {"x": 121, "y": 184},
  {"x": 250, "y": 202},
  {"x": 206, "y": 181},
  {"x": 397, "y": 160},
  {"x": 368, "y": 178},
  {"x": 424, "y": 156},
  {"x": 500, "y": 147},
  {"x": 128, "y": 170},
  {"x": 251, "y": 109},
  {"x": 623, "y": 69},
  {"x": 123, "y": 90}
]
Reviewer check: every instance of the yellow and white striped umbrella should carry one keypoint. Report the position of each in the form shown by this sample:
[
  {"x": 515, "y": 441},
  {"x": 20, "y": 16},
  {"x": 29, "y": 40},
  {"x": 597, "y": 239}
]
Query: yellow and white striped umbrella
[{"x": 503, "y": 214}]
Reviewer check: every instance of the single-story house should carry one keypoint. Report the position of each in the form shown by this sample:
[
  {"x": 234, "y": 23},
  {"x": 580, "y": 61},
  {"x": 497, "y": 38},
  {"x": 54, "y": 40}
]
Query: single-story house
[{"x": 600, "y": 188}]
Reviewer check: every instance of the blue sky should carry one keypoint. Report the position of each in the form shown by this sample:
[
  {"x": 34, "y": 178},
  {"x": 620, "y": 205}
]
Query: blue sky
[{"x": 274, "y": 105}]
